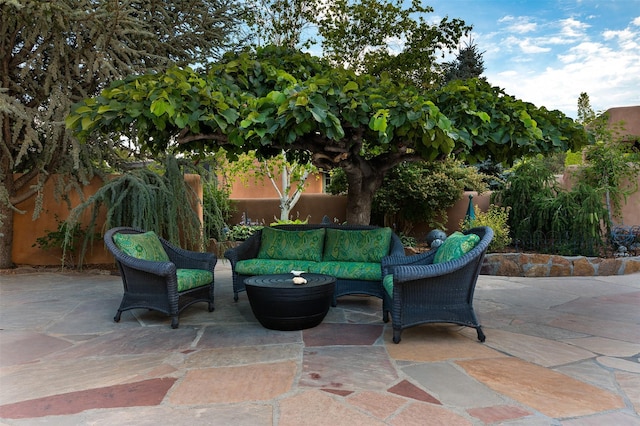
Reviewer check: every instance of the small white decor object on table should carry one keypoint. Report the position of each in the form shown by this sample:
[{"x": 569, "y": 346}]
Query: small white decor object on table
[{"x": 297, "y": 279}]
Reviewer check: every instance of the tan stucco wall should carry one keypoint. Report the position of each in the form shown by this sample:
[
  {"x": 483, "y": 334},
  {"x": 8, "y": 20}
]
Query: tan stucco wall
[
  {"x": 26, "y": 230},
  {"x": 630, "y": 116},
  {"x": 263, "y": 188},
  {"x": 311, "y": 206}
]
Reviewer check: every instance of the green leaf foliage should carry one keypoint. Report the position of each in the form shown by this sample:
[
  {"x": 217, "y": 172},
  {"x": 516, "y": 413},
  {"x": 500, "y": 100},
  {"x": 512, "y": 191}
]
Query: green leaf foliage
[
  {"x": 548, "y": 218},
  {"x": 497, "y": 218},
  {"x": 422, "y": 192},
  {"x": 493, "y": 125},
  {"x": 275, "y": 99}
]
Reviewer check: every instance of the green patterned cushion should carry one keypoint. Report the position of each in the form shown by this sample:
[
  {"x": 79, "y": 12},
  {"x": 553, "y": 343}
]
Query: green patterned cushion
[
  {"x": 456, "y": 245},
  {"x": 369, "y": 245},
  {"x": 349, "y": 270},
  {"x": 145, "y": 246},
  {"x": 192, "y": 278},
  {"x": 387, "y": 283},
  {"x": 271, "y": 266},
  {"x": 291, "y": 245}
]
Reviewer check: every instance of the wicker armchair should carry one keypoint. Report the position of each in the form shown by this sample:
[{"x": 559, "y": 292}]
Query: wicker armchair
[
  {"x": 424, "y": 292},
  {"x": 159, "y": 285}
]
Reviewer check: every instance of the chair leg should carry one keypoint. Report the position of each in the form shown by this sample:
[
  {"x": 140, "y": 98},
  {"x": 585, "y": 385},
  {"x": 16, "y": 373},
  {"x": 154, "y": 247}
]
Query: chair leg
[
  {"x": 235, "y": 296},
  {"x": 396, "y": 335},
  {"x": 117, "y": 317},
  {"x": 385, "y": 316},
  {"x": 211, "y": 307},
  {"x": 174, "y": 321},
  {"x": 481, "y": 335}
]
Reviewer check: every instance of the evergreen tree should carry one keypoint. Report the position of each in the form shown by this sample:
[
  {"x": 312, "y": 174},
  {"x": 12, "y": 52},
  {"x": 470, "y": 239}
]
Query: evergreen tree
[
  {"x": 468, "y": 64},
  {"x": 585, "y": 113},
  {"x": 55, "y": 53}
]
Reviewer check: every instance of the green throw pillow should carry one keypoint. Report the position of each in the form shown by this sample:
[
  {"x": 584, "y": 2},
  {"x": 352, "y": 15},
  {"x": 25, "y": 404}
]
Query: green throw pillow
[
  {"x": 291, "y": 245},
  {"x": 145, "y": 246},
  {"x": 456, "y": 245},
  {"x": 368, "y": 245}
]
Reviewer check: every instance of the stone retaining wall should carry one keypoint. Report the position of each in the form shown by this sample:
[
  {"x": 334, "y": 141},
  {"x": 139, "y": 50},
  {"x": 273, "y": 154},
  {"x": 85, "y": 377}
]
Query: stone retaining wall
[{"x": 544, "y": 265}]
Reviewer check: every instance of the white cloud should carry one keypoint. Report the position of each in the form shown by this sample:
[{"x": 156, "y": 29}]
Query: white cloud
[
  {"x": 519, "y": 25},
  {"x": 528, "y": 47},
  {"x": 609, "y": 75},
  {"x": 572, "y": 28},
  {"x": 636, "y": 21}
]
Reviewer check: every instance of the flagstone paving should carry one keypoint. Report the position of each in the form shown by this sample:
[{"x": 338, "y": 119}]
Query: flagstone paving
[{"x": 559, "y": 351}]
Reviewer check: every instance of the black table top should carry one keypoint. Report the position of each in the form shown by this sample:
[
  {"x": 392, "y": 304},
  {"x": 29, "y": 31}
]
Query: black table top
[{"x": 286, "y": 280}]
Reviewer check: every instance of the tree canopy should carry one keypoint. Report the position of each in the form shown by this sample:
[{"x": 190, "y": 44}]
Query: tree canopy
[{"x": 277, "y": 99}]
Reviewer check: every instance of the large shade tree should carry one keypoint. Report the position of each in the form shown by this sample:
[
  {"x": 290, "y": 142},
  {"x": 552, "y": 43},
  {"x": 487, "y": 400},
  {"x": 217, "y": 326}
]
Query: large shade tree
[
  {"x": 55, "y": 53},
  {"x": 279, "y": 99}
]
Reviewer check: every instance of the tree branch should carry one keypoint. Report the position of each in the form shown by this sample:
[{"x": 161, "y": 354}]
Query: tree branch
[{"x": 184, "y": 137}]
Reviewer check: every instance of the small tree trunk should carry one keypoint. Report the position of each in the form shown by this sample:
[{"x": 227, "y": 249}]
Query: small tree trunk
[
  {"x": 363, "y": 184},
  {"x": 6, "y": 236},
  {"x": 285, "y": 209}
]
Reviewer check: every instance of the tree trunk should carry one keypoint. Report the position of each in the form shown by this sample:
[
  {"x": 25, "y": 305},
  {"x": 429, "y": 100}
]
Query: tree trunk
[
  {"x": 6, "y": 236},
  {"x": 363, "y": 184}
]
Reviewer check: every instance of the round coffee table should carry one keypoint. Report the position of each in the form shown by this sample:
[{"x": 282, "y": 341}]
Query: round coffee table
[{"x": 279, "y": 304}]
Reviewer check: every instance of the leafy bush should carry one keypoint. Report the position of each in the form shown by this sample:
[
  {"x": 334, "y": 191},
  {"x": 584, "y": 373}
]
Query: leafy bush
[
  {"x": 422, "y": 192},
  {"x": 573, "y": 159},
  {"x": 241, "y": 232},
  {"x": 613, "y": 167},
  {"x": 290, "y": 222},
  {"x": 408, "y": 241},
  {"x": 217, "y": 209},
  {"x": 549, "y": 219},
  {"x": 68, "y": 239},
  {"x": 496, "y": 218}
]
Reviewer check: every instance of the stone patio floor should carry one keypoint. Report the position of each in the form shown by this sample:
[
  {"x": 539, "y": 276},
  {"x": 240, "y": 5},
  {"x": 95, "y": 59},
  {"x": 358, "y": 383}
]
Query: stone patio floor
[{"x": 559, "y": 351}]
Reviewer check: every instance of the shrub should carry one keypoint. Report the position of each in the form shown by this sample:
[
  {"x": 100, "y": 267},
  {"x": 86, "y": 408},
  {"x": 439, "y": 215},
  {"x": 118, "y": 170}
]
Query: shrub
[
  {"x": 549, "y": 219},
  {"x": 70, "y": 239},
  {"x": 217, "y": 209},
  {"x": 496, "y": 218},
  {"x": 290, "y": 222},
  {"x": 241, "y": 232},
  {"x": 422, "y": 192},
  {"x": 408, "y": 241}
]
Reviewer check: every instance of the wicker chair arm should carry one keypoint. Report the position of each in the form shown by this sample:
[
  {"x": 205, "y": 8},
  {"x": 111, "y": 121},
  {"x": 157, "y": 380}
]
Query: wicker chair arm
[
  {"x": 163, "y": 269},
  {"x": 420, "y": 258},
  {"x": 248, "y": 249},
  {"x": 421, "y": 266},
  {"x": 187, "y": 259}
]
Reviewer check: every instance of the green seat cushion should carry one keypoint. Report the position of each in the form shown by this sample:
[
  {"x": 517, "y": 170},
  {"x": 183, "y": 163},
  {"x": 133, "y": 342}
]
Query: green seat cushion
[
  {"x": 387, "y": 283},
  {"x": 456, "y": 245},
  {"x": 271, "y": 266},
  {"x": 144, "y": 246},
  {"x": 349, "y": 270},
  {"x": 291, "y": 245},
  {"x": 369, "y": 245},
  {"x": 193, "y": 278}
]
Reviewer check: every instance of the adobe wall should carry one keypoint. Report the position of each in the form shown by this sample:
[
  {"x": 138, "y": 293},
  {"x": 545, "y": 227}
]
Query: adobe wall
[
  {"x": 311, "y": 206},
  {"x": 26, "y": 230},
  {"x": 263, "y": 188},
  {"x": 315, "y": 206},
  {"x": 630, "y": 116}
]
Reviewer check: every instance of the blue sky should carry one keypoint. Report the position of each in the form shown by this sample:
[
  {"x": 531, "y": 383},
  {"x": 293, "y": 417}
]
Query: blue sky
[{"x": 548, "y": 52}]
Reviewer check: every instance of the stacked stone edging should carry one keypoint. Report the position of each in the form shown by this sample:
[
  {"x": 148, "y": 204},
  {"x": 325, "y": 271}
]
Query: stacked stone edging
[{"x": 545, "y": 265}]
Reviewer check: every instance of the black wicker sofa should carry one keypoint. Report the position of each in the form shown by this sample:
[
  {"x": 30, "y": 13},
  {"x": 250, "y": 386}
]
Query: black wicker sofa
[{"x": 351, "y": 253}]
